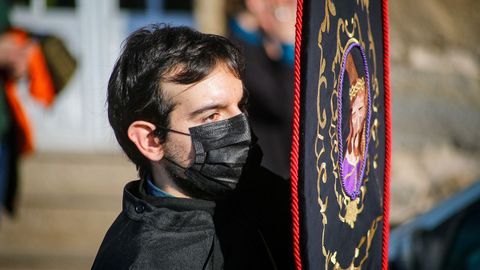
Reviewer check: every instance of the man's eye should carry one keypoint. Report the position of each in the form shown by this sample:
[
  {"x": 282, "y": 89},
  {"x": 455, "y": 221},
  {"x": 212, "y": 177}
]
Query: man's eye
[{"x": 211, "y": 118}]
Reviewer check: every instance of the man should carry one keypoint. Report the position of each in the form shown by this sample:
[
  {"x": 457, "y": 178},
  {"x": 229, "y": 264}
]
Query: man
[
  {"x": 265, "y": 31},
  {"x": 175, "y": 103}
]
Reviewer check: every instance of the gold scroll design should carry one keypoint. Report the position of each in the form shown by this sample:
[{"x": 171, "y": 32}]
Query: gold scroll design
[{"x": 349, "y": 209}]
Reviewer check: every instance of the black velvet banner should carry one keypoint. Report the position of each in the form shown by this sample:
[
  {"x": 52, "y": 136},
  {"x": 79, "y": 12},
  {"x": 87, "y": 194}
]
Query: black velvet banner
[{"x": 341, "y": 173}]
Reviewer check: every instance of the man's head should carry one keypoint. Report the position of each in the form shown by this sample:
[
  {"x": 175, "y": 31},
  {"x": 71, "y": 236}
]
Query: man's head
[{"x": 171, "y": 78}]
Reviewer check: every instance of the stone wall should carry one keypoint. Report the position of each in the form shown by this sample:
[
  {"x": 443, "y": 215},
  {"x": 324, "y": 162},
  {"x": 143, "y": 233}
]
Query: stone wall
[{"x": 435, "y": 73}]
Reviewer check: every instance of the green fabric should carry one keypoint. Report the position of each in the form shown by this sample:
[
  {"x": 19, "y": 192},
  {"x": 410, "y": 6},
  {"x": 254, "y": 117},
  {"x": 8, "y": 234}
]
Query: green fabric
[
  {"x": 5, "y": 117},
  {"x": 4, "y": 10}
]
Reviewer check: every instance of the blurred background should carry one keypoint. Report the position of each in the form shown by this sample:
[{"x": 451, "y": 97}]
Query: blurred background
[{"x": 70, "y": 187}]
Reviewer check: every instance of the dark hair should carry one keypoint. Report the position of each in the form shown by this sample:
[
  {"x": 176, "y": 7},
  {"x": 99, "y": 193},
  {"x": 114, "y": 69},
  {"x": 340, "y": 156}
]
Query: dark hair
[{"x": 152, "y": 55}]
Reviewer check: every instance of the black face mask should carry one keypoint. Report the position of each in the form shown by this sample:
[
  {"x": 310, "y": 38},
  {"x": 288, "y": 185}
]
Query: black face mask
[{"x": 221, "y": 151}]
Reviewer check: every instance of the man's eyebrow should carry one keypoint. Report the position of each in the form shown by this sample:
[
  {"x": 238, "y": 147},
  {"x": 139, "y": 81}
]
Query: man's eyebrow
[{"x": 206, "y": 108}]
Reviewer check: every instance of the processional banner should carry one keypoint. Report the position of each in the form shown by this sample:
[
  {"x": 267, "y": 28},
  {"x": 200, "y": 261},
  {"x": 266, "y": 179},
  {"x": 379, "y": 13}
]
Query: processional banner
[{"x": 341, "y": 137}]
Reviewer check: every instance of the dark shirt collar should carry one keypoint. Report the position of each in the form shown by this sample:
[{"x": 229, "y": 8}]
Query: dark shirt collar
[{"x": 135, "y": 191}]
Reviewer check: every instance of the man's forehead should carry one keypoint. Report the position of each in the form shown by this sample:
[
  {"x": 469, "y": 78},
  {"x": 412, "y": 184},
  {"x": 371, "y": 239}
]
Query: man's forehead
[{"x": 172, "y": 90}]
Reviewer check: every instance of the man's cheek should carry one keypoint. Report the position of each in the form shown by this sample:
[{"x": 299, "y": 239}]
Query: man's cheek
[{"x": 187, "y": 151}]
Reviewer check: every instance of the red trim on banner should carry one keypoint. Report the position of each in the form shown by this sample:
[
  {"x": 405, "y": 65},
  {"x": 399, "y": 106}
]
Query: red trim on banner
[
  {"x": 295, "y": 139},
  {"x": 386, "y": 86}
]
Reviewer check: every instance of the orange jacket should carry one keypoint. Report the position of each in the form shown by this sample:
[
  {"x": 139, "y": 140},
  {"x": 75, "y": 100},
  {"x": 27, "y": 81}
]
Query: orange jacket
[{"x": 41, "y": 88}]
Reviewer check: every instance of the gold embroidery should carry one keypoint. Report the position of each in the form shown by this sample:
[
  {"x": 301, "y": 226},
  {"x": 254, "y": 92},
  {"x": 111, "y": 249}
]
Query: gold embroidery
[{"x": 351, "y": 212}]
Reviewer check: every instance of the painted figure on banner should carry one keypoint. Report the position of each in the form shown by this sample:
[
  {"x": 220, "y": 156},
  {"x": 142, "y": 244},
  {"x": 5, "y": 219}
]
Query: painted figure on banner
[{"x": 352, "y": 164}]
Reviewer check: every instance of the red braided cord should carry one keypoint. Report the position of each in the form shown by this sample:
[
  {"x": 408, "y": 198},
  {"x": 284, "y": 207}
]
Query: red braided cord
[
  {"x": 386, "y": 85},
  {"x": 295, "y": 139}
]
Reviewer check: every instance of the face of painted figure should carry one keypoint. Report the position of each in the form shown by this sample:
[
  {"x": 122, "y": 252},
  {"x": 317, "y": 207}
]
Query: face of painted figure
[{"x": 359, "y": 111}]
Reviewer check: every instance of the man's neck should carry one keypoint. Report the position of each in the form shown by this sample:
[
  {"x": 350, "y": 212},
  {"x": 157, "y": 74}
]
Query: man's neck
[{"x": 164, "y": 180}]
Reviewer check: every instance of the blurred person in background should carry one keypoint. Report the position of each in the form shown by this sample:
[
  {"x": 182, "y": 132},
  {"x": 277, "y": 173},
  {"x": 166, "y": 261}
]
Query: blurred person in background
[
  {"x": 47, "y": 65},
  {"x": 176, "y": 104},
  {"x": 265, "y": 31},
  {"x": 13, "y": 65}
]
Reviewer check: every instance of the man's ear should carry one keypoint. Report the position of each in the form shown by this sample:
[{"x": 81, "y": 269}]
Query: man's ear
[{"x": 141, "y": 134}]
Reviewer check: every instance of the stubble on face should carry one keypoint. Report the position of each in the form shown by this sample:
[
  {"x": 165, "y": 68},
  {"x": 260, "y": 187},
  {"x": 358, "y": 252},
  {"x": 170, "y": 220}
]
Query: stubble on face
[{"x": 176, "y": 158}]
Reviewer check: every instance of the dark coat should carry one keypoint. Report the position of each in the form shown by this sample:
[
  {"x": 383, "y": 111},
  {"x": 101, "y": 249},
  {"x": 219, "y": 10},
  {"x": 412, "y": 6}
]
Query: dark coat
[
  {"x": 160, "y": 233},
  {"x": 250, "y": 230}
]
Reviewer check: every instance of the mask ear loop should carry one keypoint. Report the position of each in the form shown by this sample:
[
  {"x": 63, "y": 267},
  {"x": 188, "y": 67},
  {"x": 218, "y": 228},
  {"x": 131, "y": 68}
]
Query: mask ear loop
[
  {"x": 174, "y": 131},
  {"x": 170, "y": 130}
]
